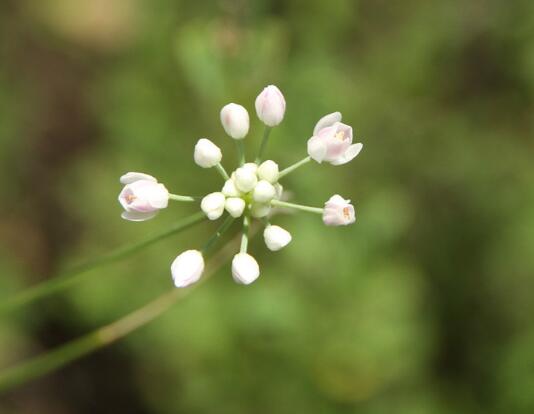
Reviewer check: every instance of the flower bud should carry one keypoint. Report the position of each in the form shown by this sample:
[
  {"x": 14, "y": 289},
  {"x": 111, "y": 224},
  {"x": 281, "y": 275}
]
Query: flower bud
[
  {"x": 252, "y": 166},
  {"x": 213, "y": 205},
  {"x": 268, "y": 170},
  {"x": 264, "y": 192},
  {"x": 229, "y": 189},
  {"x": 235, "y": 121},
  {"x": 276, "y": 237},
  {"x": 207, "y": 154},
  {"x": 271, "y": 106},
  {"x": 338, "y": 212},
  {"x": 245, "y": 179},
  {"x": 187, "y": 268},
  {"x": 279, "y": 191},
  {"x": 245, "y": 269},
  {"x": 142, "y": 196},
  {"x": 259, "y": 210},
  {"x": 235, "y": 206}
]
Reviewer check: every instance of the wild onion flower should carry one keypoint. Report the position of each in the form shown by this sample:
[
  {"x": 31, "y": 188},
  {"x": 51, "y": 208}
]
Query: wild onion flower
[
  {"x": 142, "y": 196},
  {"x": 251, "y": 191}
]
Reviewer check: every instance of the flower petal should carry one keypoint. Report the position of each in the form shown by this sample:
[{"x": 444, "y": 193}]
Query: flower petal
[
  {"x": 349, "y": 155},
  {"x": 317, "y": 149},
  {"x": 326, "y": 121},
  {"x": 137, "y": 216},
  {"x": 131, "y": 177},
  {"x": 159, "y": 197}
]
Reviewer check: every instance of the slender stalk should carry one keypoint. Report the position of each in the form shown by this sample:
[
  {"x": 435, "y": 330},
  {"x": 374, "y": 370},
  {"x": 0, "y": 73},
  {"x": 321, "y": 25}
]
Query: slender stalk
[
  {"x": 294, "y": 167},
  {"x": 278, "y": 203},
  {"x": 240, "y": 151},
  {"x": 244, "y": 237},
  {"x": 43, "y": 364},
  {"x": 222, "y": 171},
  {"x": 266, "y": 133},
  {"x": 181, "y": 198},
  {"x": 76, "y": 274},
  {"x": 227, "y": 223}
]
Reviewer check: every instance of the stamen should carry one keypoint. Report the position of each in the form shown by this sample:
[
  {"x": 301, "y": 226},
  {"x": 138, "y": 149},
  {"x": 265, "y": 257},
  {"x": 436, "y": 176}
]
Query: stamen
[
  {"x": 346, "y": 212},
  {"x": 340, "y": 135}
]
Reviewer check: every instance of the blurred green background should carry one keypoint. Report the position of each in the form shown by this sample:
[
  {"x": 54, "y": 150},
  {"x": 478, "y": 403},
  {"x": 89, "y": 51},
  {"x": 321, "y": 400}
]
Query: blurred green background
[{"x": 423, "y": 306}]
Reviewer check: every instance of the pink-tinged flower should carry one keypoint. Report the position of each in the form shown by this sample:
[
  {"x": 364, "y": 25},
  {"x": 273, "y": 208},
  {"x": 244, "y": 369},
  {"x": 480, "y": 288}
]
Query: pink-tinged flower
[
  {"x": 271, "y": 106},
  {"x": 332, "y": 141},
  {"x": 142, "y": 196},
  {"x": 338, "y": 212},
  {"x": 245, "y": 269},
  {"x": 187, "y": 268}
]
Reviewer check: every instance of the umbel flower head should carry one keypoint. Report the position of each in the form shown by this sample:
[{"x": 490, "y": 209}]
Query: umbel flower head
[{"x": 251, "y": 191}]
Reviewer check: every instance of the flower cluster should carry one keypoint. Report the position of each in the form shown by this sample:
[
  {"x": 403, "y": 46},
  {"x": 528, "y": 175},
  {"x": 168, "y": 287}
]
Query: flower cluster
[{"x": 252, "y": 191}]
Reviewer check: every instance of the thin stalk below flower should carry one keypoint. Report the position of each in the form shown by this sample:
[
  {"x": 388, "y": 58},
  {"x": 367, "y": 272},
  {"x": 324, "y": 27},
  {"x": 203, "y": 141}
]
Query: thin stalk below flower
[
  {"x": 77, "y": 274},
  {"x": 240, "y": 151},
  {"x": 227, "y": 223},
  {"x": 244, "y": 237},
  {"x": 294, "y": 167},
  {"x": 278, "y": 203},
  {"x": 222, "y": 171},
  {"x": 43, "y": 364},
  {"x": 263, "y": 145},
  {"x": 177, "y": 197}
]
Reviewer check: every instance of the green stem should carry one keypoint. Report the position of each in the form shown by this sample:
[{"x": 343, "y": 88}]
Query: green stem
[
  {"x": 75, "y": 275},
  {"x": 181, "y": 198},
  {"x": 266, "y": 133},
  {"x": 244, "y": 238},
  {"x": 55, "y": 359},
  {"x": 222, "y": 171},
  {"x": 220, "y": 231},
  {"x": 240, "y": 151},
  {"x": 43, "y": 364},
  {"x": 278, "y": 203},
  {"x": 294, "y": 167}
]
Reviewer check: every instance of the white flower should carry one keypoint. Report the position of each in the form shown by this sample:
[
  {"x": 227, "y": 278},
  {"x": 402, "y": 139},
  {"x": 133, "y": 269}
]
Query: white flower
[
  {"x": 229, "y": 189},
  {"x": 251, "y": 166},
  {"x": 270, "y": 106},
  {"x": 187, "y": 268},
  {"x": 263, "y": 192},
  {"x": 235, "y": 206},
  {"x": 142, "y": 196},
  {"x": 338, "y": 212},
  {"x": 207, "y": 154},
  {"x": 245, "y": 179},
  {"x": 251, "y": 190},
  {"x": 235, "y": 121},
  {"x": 245, "y": 269},
  {"x": 213, "y": 205},
  {"x": 279, "y": 190},
  {"x": 268, "y": 170},
  {"x": 259, "y": 210},
  {"x": 276, "y": 237},
  {"x": 332, "y": 141}
]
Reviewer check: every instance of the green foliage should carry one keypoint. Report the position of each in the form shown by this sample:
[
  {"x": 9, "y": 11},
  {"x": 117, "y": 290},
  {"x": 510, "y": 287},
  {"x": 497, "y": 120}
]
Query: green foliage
[{"x": 423, "y": 306}]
